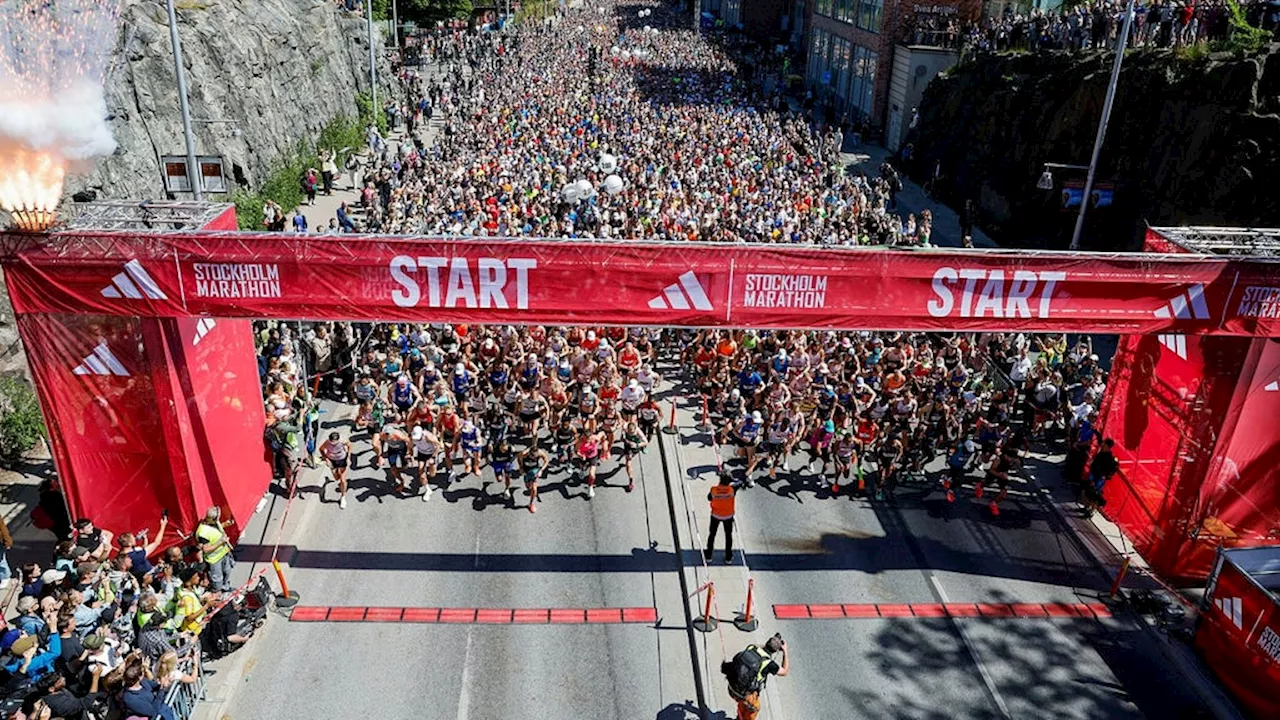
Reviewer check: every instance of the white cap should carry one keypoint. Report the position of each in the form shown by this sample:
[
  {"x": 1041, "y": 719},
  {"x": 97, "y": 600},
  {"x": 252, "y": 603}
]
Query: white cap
[
  {"x": 782, "y": 353},
  {"x": 591, "y": 334},
  {"x": 604, "y": 344},
  {"x": 634, "y": 383},
  {"x": 735, "y": 393},
  {"x": 756, "y": 416},
  {"x": 969, "y": 446},
  {"x": 418, "y": 432},
  {"x": 282, "y": 413},
  {"x": 431, "y": 365},
  {"x": 488, "y": 343},
  {"x": 459, "y": 369}
]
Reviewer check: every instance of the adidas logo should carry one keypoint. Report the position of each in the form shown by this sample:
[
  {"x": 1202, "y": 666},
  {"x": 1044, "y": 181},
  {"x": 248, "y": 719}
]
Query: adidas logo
[
  {"x": 681, "y": 294},
  {"x": 203, "y": 326},
  {"x": 100, "y": 362},
  {"x": 1189, "y": 305},
  {"x": 134, "y": 283},
  {"x": 1233, "y": 608},
  {"x": 1273, "y": 386}
]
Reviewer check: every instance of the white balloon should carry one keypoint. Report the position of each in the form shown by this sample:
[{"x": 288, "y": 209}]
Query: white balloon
[
  {"x": 613, "y": 184},
  {"x": 608, "y": 163},
  {"x": 615, "y": 50},
  {"x": 585, "y": 189},
  {"x": 640, "y": 14},
  {"x": 571, "y": 193},
  {"x": 647, "y": 28},
  {"x": 626, "y": 55}
]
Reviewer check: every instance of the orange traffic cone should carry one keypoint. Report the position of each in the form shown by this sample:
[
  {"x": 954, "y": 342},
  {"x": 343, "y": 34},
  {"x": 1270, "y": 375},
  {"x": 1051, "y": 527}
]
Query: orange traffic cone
[
  {"x": 951, "y": 496},
  {"x": 995, "y": 508}
]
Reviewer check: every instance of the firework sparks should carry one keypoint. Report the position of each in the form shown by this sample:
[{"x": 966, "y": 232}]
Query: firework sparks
[{"x": 53, "y": 58}]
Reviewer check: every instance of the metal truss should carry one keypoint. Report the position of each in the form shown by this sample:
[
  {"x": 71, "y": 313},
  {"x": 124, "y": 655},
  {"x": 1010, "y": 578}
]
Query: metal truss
[{"x": 1252, "y": 242}]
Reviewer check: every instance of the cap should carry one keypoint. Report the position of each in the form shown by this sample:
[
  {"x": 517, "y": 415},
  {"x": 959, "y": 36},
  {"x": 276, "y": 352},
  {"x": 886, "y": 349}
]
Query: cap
[
  {"x": 93, "y": 642},
  {"x": 757, "y": 417},
  {"x": 969, "y": 446},
  {"x": 418, "y": 432},
  {"x": 402, "y": 380},
  {"x": 459, "y": 369},
  {"x": 51, "y": 576},
  {"x": 22, "y": 644},
  {"x": 829, "y": 426},
  {"x": 634, "y": 383}
]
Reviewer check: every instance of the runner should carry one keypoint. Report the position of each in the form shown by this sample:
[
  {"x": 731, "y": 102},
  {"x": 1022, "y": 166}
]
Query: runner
[
  {"x": 588, "y": 453},
  {"x": 337, "y": 453},
  {"x": 533, "y": 463},
  {"x": 426, "y": 453},
  {"x": 633, "y": 443},
  {"x": 391, "y": 445},
  {"x": 502, "y": 459},
  {"x": 472, "y": 443}
]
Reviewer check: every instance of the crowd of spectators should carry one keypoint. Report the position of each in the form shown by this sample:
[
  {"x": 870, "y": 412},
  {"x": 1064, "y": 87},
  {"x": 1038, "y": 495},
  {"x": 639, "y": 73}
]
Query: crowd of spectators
[
  {"x": 1093, "y": 26},
  {"x": 111, "y": 624}
]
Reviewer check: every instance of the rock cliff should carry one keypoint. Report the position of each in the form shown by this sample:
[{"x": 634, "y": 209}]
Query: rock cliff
[
  {"x": 1190, "y": 141},
  {"x": 278, "y": 70}
]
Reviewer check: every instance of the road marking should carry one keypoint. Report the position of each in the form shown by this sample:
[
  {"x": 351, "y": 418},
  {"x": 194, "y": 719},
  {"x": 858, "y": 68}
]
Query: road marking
[
  {"x": 872, "y": 611},
  {"x": 464, "y": 687},
  {"x": 477, "y": 616},
  {"x": 973, "y": 650}
]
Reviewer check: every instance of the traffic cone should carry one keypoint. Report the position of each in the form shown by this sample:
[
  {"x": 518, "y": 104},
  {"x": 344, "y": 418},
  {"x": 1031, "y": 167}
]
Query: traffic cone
[
  {"x": 995, "y": 508},
  {"x": 977, "y": 490},
  {"x": 951, "y": 496},
  {"x": 835, "y": 488}
]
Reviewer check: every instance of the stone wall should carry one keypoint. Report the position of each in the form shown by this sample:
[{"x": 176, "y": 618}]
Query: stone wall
[
  {"x": 278, "y": 70},
  {"x": 1191, "y": 141}
]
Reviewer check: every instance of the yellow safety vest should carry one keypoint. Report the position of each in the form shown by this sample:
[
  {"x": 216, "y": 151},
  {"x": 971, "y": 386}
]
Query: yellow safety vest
[{"x": 211, "y": 534}]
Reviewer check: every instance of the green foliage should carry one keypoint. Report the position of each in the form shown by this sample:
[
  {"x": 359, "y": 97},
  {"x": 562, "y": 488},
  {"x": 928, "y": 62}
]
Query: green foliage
[
  {"x": 284, "y": 184},
  {"x": 22, "y": 425},
  {"x": 369, "y": 114},
  {"x": 535, "y": 10},
  {"x": 1193, "y": 53},
  {"x": 1243, "y": 39},
  {"x": 425, "y": 12}
]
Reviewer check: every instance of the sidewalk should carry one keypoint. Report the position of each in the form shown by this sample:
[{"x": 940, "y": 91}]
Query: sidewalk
[{"x": 867, "y": 158}]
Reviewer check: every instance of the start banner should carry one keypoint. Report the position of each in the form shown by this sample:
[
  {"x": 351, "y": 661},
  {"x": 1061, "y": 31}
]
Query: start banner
[{"x": 229, "y": 274}]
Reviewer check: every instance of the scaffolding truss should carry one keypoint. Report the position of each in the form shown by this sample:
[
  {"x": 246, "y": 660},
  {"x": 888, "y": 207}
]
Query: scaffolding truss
[{"x": 1237, "y": 242}]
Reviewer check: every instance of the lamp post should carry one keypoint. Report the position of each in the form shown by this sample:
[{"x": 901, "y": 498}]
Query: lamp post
[
  {"x": 193, "y": 170},
  {"x": 1121, "y": 43},
  {"x": 373, "y": 66}
]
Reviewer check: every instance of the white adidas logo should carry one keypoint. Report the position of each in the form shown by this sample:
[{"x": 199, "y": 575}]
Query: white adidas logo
[
  {"x": 1273, "y": 386},
  {"x": 1232, "y": 608},
  {"x": 100, "y": 362},
  {"x": 134, "y": 283},
  {"x": 678, "y": 295},
  {"x": 203, "y": 326},
  {"x": 1189, "y": 305}
]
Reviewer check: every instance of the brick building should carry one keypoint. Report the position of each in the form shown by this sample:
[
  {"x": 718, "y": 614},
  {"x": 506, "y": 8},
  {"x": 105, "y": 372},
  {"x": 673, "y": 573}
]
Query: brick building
[{"x": 850, "y": 48}]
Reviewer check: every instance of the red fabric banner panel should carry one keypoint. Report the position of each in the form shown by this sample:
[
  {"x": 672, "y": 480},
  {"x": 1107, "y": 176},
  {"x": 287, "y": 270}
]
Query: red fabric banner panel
[
  {"x": 99, "y": 402},
  {"x": 1239, "y": 637},
  {"x": 223, "y": 274}
]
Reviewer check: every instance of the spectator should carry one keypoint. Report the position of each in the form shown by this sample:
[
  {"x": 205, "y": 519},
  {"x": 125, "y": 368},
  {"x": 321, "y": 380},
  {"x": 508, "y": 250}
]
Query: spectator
[
  {"x": 26, "y": 659},
  {"x": 143, "y": 696},
  {"x": 215, "y": 548},
  {"x": 94, "y": 540}
]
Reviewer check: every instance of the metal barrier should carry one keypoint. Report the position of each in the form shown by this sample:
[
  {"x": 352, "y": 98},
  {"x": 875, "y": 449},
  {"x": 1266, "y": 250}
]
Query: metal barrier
[{"x": 184, "y": 697}]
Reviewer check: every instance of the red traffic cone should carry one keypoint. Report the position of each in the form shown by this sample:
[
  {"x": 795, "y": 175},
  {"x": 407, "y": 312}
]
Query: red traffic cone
[
  {"x": 835, "y": 488},
  {"x": 977, "y": 490},
  {"x": 995, "y": 508},
  {"x": 951, "y": 496},
  {"x": 946, "y": 483}
]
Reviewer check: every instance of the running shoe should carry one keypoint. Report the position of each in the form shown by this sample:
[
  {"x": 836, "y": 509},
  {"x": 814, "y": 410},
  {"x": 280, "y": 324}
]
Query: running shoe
[
  {"x": 995, "y": 508},
  {"x": 631, "y": 486},
  {"x": 426, "y": 496},
  {"x": 591, "y": 492},
  {"x": 835, "y": 489},
  {"x": 532, "y": 509},
  {"x": 342, "y": 502}
]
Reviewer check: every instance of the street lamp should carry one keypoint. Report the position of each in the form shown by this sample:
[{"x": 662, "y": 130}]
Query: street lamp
[
  {"x": 1121, "y": 42},
  {"x": 193, "y": 171},
  {"x": 1046, "y": 178},
  {"x": 373, "y": 66}
]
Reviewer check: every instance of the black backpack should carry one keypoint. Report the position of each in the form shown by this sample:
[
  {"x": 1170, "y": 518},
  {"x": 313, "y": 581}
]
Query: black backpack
[{"x": 743, "y": 671}]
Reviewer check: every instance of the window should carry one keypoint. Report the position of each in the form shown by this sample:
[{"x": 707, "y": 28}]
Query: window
[
  {"x": 846, "y": 10},
  {"x": 869, "y": 12},
  {"x": 823, "y": 7},
  {"x": 862, "y": 84}
]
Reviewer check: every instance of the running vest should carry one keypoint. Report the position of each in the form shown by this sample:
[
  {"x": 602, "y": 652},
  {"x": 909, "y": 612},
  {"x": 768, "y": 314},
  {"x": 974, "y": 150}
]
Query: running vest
[
  {"x": 402, "y": 396},
  {"x": 648, "y": 413},
  {"x": 749, "y": 430},
  {"x": 209, "y": 534},
  {"x": 722, "y": 502}
]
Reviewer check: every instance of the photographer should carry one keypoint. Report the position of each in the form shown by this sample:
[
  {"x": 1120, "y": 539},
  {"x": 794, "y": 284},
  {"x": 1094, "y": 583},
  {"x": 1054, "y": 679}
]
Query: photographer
[{"x": 750, "y": 669}]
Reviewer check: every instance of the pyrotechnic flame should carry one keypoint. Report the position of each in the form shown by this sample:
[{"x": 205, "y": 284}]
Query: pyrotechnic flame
[
  {"x": 53, "y": 56},
  {"x": 30, "y": 187}
]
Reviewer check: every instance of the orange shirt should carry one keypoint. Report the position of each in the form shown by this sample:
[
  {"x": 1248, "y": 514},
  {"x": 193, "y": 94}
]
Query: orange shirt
[{"x": 722, "y": 501}]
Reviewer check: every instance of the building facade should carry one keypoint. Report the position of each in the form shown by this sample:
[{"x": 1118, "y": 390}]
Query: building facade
[{"x": 850, "y": 48}]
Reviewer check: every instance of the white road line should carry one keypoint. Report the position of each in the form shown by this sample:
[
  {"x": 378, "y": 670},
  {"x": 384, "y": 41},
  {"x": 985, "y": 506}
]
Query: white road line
[
  {"x": 973, "y": 651},
  {"x": 464, "y": 686}
]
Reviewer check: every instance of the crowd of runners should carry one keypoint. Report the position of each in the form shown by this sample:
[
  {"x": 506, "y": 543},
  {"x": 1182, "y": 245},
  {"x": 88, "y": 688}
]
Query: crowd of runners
[
  {"x": 608, "y": 124},
  {"x": 831, "y": 412}
]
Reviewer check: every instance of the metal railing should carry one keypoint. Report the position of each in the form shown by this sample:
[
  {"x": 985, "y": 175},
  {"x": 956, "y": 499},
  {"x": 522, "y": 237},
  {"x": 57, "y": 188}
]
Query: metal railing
[{"x": 184, "y": 697}]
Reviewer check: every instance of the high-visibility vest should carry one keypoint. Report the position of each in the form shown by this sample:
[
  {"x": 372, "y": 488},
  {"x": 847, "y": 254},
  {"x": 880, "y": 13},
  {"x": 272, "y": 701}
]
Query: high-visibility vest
[
  {"x": 722, "y": 502},
  {"x": 211, "y": 534},
  {"x": 190, "y": 623}
]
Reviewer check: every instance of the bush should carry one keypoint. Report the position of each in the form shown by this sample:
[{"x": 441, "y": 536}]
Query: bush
[
  {"x": 22, "y": 425},
  {"x": 370, "y": 114},
  {"x": 1244, "y": 39}
]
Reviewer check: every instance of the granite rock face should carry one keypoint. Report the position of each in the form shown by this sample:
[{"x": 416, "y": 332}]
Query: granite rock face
[
  {"x": 277, "y": 70},
  {"x": 1190, "y": 142}
]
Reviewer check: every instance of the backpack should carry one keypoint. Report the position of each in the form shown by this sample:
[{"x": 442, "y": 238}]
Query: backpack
[{"x": 744, "y": 672}]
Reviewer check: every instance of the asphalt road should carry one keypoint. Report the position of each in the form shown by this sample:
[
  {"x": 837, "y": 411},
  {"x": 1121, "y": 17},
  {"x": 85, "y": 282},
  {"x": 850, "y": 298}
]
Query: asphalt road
[{"x": 467, "y": 548}]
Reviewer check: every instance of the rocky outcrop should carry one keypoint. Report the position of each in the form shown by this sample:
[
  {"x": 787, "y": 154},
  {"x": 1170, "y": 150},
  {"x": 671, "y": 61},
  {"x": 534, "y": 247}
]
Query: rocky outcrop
[
  {"x": 278, "y": 70},
  {"x": 1190, "y": 141}
]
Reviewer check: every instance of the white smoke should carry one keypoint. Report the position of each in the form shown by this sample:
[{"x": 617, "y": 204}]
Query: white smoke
[{"x": 53, "y": 58}]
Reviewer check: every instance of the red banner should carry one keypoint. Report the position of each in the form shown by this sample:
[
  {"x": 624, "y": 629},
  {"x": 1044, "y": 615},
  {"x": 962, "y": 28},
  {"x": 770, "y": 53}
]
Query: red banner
[
  {"x": 561, "y": 282},
  {"x": 1239, "y": 636}
]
